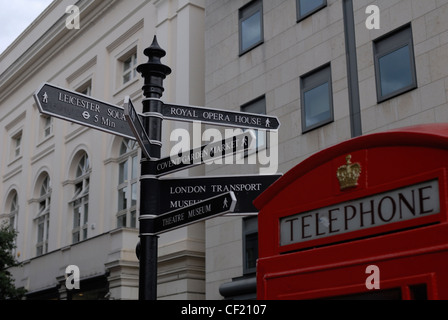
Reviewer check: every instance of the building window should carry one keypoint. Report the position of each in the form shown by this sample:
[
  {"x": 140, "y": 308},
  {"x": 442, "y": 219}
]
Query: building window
[
  {"x": 47, "y": 126},
  {"x": 317, "y": 98},
  {"x": 127, "y": 184},
  {"x": 80, "y": 200},
  {"x": 250, "y": 245},
  {"x": 13, "y": 210},
  {"x": 305, "y": 8},
  {"x": 16, "y": 146},
  {"x": 129, "y": 68},
  {"x": 251, "y": 26},
  {"x": 257, "y": 106},
  {"x": 86, "y": 88},
  {"x": 394, "y": 64},
  {"x": 43, "y": 217}
]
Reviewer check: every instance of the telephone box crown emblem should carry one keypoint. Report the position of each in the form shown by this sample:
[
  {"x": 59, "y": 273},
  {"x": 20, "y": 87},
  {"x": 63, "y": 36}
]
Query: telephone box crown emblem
[{"x": 348, "y": 174}]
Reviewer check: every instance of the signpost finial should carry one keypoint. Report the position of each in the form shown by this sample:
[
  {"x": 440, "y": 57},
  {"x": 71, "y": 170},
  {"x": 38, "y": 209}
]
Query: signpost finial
[{"x": 153, "y": 71}]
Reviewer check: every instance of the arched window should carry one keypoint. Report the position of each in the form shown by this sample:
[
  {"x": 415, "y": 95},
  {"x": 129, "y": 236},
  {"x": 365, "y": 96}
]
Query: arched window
[
  {"x": 80, "y": 200},
  {"x": 127, "y": 184},
  {"x": 43, "y": 217},
  {"x": 13, "y": 208}
]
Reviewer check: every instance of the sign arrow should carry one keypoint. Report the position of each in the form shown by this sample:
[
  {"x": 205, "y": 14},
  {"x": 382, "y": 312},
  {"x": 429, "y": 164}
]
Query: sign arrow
[
  {"x": 237, "y": 144},
  {"x": 79, "y": 108},
  {"x": 209, "y": 208},
  {"x": 220, "y": 117},
  {"x": 137, "y": 128}
]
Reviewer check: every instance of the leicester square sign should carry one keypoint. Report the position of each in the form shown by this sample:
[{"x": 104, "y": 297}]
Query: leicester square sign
[
  {"x": 81, "y": 109},
  {"x": 402, "y": 204}
]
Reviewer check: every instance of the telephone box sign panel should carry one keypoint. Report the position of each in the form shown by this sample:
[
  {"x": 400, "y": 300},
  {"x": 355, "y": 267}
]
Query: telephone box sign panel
[{"x": 410, "y": 202}]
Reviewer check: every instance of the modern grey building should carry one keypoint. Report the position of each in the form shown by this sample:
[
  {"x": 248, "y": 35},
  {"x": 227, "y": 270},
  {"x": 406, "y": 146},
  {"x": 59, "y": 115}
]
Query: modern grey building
[{"x": 330, "y": 70}]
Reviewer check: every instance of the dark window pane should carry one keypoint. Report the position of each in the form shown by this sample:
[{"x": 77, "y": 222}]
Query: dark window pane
[
  {"x": 317, "y": 104},
  {"x": 251, "y": 250},
  {"x": 307, "y": 6},
  {"x": 251, "y": 31},
  {"x": 395, "y": 71},
  {"x": 121, "y": 221}
]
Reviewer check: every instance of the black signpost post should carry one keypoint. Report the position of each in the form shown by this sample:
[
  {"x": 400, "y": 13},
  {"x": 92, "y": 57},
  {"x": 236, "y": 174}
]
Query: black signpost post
[
  {"x": 167, "y": 204},
  {"x": 153, "y": 73}
]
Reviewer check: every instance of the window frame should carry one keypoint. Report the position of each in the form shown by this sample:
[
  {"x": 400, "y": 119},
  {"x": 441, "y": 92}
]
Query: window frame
[
  {"x": 128, "y": 160},
  {"x": 388, "y": 44},
  {"x": 13, "y": 208},
  {"x": 250, "y": 228},
  {"x": 132, "y": 70},
  {"x": 42, "y": 244},
  {"x": 310, "y": 81},
  {"x": 47, "y": 126},
  {"x": 244, "y": 13},
  {"x": 301, "y": 17},
  {"x": 86, "y": 88},
  {"x": 43, "y": 216},
  {"x": 16, "y": 145},
  {"x": 80, "y": 201}
]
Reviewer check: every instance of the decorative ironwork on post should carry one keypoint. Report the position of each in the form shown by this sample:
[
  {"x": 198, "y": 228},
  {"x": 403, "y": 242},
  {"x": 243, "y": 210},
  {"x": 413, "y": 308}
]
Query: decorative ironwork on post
[{"x": 154, "y": 72}]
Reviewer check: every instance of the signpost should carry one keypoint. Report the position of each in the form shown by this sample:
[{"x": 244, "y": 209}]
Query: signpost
[
  {"x": 238, "y": 144},
  {"x": 209, "y": 208},
  {"x": 84, "y": 110},
  {"x": 137, "y": 127},
  {"x": 167, "y": 204}
]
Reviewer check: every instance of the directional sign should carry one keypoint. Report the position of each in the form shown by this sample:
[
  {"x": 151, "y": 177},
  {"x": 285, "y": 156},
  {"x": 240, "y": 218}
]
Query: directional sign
[
  {"x": 209, "y": 208},
  {"x": 220, "y": 117},
  {"x": 205, "y": 154},
  {"x": 136, "y": 125},
  {"x": 79, "y": 108},
  {"x": 181, "y": 192}
]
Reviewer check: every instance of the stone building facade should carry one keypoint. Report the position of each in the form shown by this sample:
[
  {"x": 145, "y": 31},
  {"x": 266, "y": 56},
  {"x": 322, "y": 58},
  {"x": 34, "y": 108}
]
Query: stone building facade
[{"x": 72, "y": 192}]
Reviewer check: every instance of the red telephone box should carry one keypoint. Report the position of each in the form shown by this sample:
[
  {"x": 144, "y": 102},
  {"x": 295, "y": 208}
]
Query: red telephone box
[{"x": 365, "y": 219}]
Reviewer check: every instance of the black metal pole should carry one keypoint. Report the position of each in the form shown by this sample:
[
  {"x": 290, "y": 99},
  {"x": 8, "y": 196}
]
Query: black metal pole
[{"x": 153, "y": 72}]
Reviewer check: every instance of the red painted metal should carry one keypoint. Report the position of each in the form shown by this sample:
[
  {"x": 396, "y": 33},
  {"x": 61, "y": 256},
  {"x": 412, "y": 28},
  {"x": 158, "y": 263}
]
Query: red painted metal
[{"x": 408, "y": 253}]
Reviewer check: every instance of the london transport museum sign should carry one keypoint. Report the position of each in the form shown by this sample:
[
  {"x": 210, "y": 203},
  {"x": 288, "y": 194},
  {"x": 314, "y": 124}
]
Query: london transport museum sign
[{"x": 174, "y": 194}]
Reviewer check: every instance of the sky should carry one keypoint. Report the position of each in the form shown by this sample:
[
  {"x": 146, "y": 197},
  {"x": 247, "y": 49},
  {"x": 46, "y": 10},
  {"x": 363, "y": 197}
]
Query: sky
[{"x": 16, "y": 16}]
